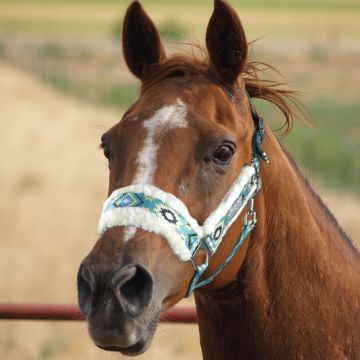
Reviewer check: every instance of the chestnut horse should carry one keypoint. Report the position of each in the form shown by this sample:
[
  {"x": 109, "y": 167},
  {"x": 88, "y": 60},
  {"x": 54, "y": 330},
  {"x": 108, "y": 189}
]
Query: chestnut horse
[{"x": 292, "y": 290}]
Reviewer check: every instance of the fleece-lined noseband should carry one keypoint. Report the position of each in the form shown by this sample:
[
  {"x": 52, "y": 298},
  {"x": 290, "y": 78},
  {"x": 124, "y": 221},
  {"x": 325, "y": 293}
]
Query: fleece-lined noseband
[{"x": 151, "y": 209}]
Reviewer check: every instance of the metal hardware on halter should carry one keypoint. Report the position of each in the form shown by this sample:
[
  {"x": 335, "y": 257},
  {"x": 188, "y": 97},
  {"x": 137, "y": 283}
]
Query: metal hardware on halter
[
  {"x": 258, "y": 138},
  {"x": 201, "y": 246},
  {"x": 251, "y": 213},
  {"x": 256, "y": 142}
]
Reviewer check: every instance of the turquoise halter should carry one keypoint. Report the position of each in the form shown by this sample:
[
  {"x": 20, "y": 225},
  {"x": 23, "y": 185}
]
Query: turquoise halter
[
  {"x": 250, "y": 217},
  {"x": 150, "y": 208}
]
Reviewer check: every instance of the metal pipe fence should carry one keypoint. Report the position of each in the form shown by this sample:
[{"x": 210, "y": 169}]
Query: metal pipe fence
[{"x": 69, "y": 312}]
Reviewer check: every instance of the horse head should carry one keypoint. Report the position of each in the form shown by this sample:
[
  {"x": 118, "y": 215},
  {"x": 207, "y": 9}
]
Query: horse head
[{"x": 188, "y": 135}]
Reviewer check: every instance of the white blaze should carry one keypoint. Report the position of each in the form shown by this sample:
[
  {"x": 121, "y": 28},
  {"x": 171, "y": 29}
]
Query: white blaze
[
  {"x": 129, "y": 232},
  {"x": 164, "y": 119}
]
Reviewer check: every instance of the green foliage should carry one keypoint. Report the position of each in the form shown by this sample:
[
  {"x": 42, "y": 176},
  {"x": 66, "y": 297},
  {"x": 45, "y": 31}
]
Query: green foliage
[
  {"x": 171, "y": 30},
  {"x": 286, "y": 4},
  {"x": 50, "y": 348},
  {"x": 2, "y": 49},
  {"x": 332, "y": 149},
  {"x": 116, "y": 30},
  {"x": 318, "y": 54},
  {"x": 61, "y": 83},
  {"x": 118, "y": 95},
  {"x": 52, "y": 50}
]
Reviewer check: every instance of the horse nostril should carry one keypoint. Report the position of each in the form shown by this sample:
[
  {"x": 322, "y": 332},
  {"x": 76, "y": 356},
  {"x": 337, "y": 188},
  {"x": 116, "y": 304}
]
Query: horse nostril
[
  {"x": 84, "y": 290},
  {"x": 133, "y": 287}
]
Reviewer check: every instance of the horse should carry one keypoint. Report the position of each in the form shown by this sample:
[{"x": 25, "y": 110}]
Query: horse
[{"x": 278, "y": 278}]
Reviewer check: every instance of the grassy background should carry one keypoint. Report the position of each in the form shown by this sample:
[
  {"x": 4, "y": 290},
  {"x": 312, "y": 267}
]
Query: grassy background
[
  {"x": 74, "y": 46},
  {"x": 63, "y": 82}
]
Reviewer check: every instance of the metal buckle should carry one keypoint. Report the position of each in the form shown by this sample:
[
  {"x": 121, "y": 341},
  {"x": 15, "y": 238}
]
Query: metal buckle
[
  {"x": 201, "y": 246},
  {"x": 250, "y": 216}
]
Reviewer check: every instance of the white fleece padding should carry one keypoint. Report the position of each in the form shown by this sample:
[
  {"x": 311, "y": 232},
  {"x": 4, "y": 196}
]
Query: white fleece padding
[
  {"x": 144, "y": 219},
  {"x": 228, "y": 200},
  {"x": 153, "y": 191}
]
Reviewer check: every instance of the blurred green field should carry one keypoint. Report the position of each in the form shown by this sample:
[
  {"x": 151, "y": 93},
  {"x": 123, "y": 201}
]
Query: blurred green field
[
  {"x": 96, "y": 18},
  {"x": 75, "y": 47},
  {"x": 326, "y": 4}
]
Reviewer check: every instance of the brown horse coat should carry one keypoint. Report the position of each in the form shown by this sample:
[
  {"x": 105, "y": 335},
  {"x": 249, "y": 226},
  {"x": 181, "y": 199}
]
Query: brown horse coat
[{"x": 293, "y": 290}]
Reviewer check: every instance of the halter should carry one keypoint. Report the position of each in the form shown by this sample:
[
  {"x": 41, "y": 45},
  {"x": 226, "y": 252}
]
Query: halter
[{"x": 151, "y": 209}]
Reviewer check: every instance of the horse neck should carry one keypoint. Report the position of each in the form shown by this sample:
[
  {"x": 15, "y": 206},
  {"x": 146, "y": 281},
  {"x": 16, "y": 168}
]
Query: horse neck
[{"x": 297, "y": 259}]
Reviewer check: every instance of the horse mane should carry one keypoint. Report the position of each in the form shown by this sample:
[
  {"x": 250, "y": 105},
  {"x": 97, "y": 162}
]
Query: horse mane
[
  {"x": 256, "y": 76},
  {"x": 275, "y": 92}
]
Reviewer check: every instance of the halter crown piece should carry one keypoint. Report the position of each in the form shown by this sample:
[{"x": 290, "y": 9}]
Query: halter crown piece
[{"x": 151, "y": 209}]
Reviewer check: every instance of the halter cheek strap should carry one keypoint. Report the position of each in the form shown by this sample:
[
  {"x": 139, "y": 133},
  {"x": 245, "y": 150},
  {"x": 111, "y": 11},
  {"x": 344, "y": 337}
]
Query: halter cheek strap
[
  {"x": 247, "y": 195},
  {"x": 151, "y": 209}
]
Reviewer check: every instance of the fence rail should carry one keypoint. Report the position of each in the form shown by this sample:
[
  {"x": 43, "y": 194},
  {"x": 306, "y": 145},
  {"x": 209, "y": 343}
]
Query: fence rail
[{"x": 69, "y": 312}]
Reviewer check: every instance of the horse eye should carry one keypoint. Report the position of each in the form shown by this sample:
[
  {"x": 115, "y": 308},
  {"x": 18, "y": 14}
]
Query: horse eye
[
  {"x": 176, "y": 73},
  {"x": 107, "y": 152},
  {"x": 223, "y": 154},
  {"x": 105, "y": 145}
]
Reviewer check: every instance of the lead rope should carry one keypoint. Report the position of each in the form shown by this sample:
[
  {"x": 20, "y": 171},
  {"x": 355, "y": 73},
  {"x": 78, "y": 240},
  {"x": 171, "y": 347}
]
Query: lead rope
[{"x": 250, "y": 216}]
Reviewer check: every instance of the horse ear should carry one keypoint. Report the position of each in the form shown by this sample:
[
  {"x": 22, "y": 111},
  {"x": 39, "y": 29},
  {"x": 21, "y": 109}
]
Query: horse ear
[
  {"x": 226, "y": 42},
  {"x": 141, "y": 41}
]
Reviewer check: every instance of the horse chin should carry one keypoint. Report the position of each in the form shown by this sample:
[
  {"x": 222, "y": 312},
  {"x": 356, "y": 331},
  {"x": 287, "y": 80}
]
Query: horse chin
[
  {"x": 145, "y": 334},
  {"x": 137, "y": 349}
]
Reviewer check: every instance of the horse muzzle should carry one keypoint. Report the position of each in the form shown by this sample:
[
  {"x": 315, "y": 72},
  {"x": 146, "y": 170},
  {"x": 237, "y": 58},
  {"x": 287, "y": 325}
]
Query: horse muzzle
[{"x": 121, "y": 309}]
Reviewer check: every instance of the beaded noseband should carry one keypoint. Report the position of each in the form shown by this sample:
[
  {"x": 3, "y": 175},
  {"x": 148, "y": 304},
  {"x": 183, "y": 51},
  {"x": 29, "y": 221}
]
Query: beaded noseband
[{"x": 151, "y": 209}]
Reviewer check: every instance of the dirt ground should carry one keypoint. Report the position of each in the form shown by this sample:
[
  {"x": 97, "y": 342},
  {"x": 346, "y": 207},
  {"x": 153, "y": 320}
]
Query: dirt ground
[{"x": 52, "y": 183}]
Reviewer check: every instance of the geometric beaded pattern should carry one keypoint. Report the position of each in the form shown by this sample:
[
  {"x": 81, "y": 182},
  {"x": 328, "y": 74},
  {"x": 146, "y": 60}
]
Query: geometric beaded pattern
[
  {"x": 213, "y": 239},
  {"x": 173, "y": 218},
  {"x": 162, "y": 211}
]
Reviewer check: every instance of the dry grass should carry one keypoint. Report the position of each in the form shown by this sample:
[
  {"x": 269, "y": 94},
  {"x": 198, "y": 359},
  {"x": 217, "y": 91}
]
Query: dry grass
[
  {"x": 51, "y": 190},
  {"x": 52, "y": 183}
]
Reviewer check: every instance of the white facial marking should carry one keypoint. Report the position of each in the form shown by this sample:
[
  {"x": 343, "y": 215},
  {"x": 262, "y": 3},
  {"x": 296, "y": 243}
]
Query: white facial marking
[
  {"x": 129, "y": 232},
  {"x": 164, "y": 119}
]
